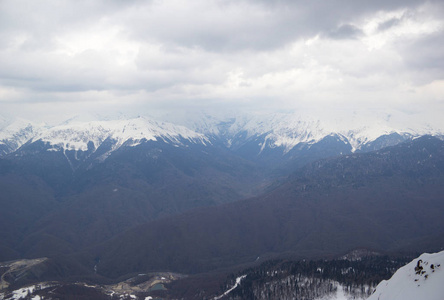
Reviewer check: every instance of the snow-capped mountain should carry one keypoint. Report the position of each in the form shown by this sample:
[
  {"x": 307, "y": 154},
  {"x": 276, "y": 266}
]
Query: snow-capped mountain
[
  {"x": 422, "y": 278},
  {"x": 15, "y": 134},
  {"x": 270, "y": 138},
  {"x": 77, "y": 136},
  {"x": 74, "y": 135},
  {"x": 285, "y": 131}
]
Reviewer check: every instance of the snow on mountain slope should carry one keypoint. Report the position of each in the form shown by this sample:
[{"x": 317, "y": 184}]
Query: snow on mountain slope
[
  {"x": 423, "y": 278},
  {"x": 17, "y": 133},
  {"x": 286, "y": 130},
  {"x": 283, "y": 131},
  {"x": 77, "y": 135},
  {"x": 221, "y": 125}
]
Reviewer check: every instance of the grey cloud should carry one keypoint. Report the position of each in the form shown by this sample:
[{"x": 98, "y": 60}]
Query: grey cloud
[
  {"x": 346, "y": 31},
  {"x": 213, "y": 25},
  {"x": 201, "y": 42},
  {"x": 388, "y": 24},
  {"x": 40, "y": 21},
  {"x": 260, "y": 25},
  {"x": 425, "y": 56}
]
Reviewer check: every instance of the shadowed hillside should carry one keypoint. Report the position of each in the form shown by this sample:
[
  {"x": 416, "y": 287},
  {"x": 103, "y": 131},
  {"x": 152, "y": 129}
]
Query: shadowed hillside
[{"x": 386, "y": 200}]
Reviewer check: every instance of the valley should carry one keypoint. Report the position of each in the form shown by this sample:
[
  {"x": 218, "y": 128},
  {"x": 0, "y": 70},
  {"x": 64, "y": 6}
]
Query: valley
[
  {"x": 15, "y": 269},
  {"x": 221, "y": 150},
  {"x": 141, "y": 208}
]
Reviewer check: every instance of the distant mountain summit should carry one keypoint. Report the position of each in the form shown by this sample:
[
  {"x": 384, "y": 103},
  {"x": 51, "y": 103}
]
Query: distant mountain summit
[
  {"x": 15, "y": 134},
  {"x": 111, "y": 135},
  {"x": 89, "y": 136},
  {"x": 77, "y": 135},
  {"x": 280, "y": 140},
  {"x": 290, "y": 140},
  {"x": 287, "y": 131}
]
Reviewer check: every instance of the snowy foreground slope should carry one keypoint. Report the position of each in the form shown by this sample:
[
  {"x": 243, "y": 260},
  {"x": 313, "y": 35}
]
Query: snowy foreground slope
[
  {"x": 423, "y": 278},
  {"x": 342, "y": 279}
]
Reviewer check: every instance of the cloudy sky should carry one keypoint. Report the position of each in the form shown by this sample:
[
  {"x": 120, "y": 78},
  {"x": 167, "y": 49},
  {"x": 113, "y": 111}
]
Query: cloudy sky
[{"x": 63, "y": 57}]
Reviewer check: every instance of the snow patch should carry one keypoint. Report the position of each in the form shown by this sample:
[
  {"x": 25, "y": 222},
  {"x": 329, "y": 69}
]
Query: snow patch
[
  {"x": 236, "y": 284},
  {"x": 25, "y": 291}
]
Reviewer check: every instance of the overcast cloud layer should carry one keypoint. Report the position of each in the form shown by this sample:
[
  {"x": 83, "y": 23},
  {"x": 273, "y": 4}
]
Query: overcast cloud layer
[{"x": 63, "y": 57}]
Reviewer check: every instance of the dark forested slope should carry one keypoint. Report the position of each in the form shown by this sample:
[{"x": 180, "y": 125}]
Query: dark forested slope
[{"x": 391, "y": 199}]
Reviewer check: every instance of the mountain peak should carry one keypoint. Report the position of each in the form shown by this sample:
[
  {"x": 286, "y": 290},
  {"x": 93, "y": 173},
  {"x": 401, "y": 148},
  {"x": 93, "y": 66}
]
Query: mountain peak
[
  {"x": 76, "y": 135},
  {"x": 16, "y": 133},
  {"x": 249, "y": 135}
]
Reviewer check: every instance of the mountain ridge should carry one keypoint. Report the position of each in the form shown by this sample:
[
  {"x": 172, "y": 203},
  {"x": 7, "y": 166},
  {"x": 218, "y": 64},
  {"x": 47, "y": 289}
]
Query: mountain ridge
[{"x": 282, "y": 132}]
